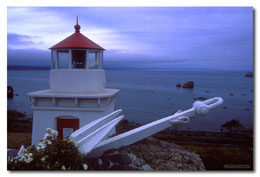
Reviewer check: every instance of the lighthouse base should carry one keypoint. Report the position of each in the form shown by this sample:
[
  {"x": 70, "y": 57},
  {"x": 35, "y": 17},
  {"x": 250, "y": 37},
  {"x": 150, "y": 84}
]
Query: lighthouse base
[{"x": 65, "y": 121}]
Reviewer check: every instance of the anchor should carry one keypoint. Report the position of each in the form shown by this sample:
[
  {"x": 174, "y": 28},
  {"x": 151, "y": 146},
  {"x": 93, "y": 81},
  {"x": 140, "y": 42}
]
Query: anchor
[{"x": 93, "y": 141}]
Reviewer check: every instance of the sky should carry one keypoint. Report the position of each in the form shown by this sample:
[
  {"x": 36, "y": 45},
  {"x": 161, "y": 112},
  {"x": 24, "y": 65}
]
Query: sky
[{"x": 211, "y": 38}]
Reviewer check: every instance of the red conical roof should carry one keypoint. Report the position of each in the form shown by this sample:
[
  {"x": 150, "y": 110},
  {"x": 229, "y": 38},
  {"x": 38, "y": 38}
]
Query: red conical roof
[{"x": 77, "y": 40}]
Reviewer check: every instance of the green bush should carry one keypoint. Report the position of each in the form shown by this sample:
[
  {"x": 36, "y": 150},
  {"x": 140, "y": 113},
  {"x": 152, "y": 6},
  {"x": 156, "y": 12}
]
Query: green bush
[{"x": 51, "y": 154}]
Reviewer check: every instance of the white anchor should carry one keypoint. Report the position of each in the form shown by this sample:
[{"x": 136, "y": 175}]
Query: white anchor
[{"x": 91, "y": 137}]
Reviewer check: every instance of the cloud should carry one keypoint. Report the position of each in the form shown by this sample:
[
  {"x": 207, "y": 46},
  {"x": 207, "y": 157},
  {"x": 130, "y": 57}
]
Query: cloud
[
  {"x": 18, "y": 41},
  {"x": 200, "y": 36}
]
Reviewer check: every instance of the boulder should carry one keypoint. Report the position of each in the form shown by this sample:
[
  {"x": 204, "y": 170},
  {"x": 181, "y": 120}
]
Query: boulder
[
  {"x": 249, "y": 74},
  {"x": 147, "y": 155},
  {"x": 189, "y": 84},
  {"x": 162, "y": 155},
  {"x": 10, "y": 92},
  {"x": 118, "y": 159},
  {"x": 178, "y": 85},
  {"x": 12, "y": 152},
  {"x": 200, "y": 98}
]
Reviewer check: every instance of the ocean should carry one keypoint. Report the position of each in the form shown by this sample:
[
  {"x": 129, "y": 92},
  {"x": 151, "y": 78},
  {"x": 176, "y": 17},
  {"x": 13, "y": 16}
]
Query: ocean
[{"x": 148, "y": 95}]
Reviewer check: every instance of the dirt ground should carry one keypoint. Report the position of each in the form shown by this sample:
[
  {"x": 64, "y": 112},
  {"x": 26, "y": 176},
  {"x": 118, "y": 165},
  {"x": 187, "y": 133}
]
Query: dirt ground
[
  {"x": 224, "y": 157},
  {"x": 16, "y": 140}
]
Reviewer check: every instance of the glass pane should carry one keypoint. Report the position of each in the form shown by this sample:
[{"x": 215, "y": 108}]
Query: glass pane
[
  {"x": 78, "y": 59},
  {"x": 93, "y": 61},
  {"x": 63, "y": 62}
]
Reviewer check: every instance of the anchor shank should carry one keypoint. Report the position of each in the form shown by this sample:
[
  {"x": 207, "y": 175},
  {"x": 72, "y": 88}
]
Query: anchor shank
[{"x": 138, "y": 134}]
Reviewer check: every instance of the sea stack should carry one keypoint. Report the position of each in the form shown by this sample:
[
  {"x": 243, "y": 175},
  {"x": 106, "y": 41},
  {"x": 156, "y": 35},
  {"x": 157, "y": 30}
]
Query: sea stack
[
  {"x": 249, "y": 74},
  {"x": 189, "y": 84},
  {"x": 77, "y": 94}
]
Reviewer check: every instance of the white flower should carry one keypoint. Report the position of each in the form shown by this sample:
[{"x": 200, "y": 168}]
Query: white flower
[
  {"x": 48, "y": 130},
  {"x": 48, "y": 142},
  {"x": 85, "y": 166},
  {"x": 75, "y": 143},
  {"x": 43, "y": 159},
  {"x": 41, "y": 145},
  {"x": 28, "y": 159},
  {"x": 63, "y": 167}
]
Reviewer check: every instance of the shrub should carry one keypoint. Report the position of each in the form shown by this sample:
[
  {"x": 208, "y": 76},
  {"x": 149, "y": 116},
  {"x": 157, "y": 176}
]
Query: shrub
[
  {"x": 50, "y": 154},
  {"x": 13, "y": 114},
  {"x": 232, "y": 125}
]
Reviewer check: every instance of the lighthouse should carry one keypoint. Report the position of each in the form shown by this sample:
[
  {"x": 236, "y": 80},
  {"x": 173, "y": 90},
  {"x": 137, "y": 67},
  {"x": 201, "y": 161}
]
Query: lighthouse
[{"x": 77, "y": 93}]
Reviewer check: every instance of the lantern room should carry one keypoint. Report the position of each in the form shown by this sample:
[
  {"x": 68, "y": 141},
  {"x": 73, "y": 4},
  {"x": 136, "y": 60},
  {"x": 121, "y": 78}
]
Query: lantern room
[
  {"x": 77, "y": 65},
  {"x": 77, "y": 52}
]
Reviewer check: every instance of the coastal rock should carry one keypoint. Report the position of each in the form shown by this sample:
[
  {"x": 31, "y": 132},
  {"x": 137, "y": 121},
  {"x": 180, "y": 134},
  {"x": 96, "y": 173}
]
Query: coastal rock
[
  {"x": 146, "y": 155},
  {"x": 189, "y": 84},
  {"x": 161, "y": 155},
  {"x": 231, "y": 94},
  {"x": 118, "y": 159},
  {"x": 200, "y": 98},
  {"x": 12, "y": 152},
  {"x": 249, "y": 74},
  {"x": 178, "y": 85},
  {"x": 10, "y": 92}
]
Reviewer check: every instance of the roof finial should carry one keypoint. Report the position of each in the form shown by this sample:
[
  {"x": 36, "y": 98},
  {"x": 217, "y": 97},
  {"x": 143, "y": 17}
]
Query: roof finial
[{"x": 77, "y": 26}]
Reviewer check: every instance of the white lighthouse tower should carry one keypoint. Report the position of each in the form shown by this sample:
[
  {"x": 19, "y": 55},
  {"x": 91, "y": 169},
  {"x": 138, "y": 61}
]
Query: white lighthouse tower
[{"x": 77, "y": 93}]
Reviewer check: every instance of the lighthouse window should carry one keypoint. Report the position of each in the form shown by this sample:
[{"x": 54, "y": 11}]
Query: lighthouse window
[
  {"x": 78, "y": 59},
  {"x": 93, "y": 61},
  {"x": 63, "y": 60}
]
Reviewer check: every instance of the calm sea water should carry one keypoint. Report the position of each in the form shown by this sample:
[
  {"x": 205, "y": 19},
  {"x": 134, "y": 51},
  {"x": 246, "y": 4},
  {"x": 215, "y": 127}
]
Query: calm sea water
[{"x": 146, "y": 96}]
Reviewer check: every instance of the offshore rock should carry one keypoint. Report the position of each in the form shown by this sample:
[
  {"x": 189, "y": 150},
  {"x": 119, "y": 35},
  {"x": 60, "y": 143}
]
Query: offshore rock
[
  {"x": 200, "y": 98},
  {"x": 249, "y": 74},
  {"x": 10, "y": 92},
  {"x": 178, "y": 85},
  {"x": 189, "y": 84}
]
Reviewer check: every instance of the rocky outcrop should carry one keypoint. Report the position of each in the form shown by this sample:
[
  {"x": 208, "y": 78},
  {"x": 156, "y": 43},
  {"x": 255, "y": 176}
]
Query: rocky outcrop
[
  {"x": 148, "y": 154},
  {"x": 178, "y": 85},
  {"x": 189, "y": 84},
  {"x": 10, "y": 92},
  {"x": 161, "y": 155},
  {"x": 118, "y": 159},
  {"x": 249, "y": 74},
  {"x": 12, "y": 152},
  {"x": 200, "y": 98}
]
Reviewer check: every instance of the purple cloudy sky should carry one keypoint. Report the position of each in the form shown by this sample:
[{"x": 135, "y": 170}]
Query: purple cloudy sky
[{"x": 142, "y": 37}]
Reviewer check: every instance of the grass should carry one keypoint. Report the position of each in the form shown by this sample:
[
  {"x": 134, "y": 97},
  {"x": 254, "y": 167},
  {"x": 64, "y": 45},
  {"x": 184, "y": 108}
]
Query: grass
[{"x": 224, "y": 157}]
